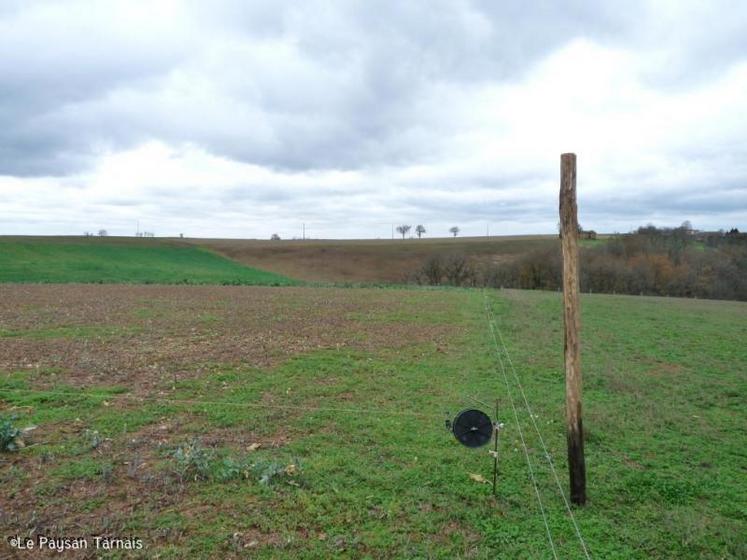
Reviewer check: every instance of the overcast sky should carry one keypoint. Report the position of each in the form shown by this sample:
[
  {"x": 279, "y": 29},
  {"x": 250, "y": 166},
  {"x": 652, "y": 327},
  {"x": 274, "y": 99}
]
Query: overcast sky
[{"x": 243, "y": 118}]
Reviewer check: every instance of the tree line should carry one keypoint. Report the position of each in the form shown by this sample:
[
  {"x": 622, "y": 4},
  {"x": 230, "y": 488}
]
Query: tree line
[
  {"x": 650, "y": 261},
  {"x": 420, "y": 230}
]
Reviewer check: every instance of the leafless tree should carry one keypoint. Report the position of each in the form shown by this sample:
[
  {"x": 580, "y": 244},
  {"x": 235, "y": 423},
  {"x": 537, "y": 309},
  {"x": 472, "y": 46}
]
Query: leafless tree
[
  {"x": 420, "y": 230},
  {"x": 103, "y": 233},
  {"x": 275, "y": 237},
  {"x": 403, "y": 229},
  {"x": 459, "y": 271},
  {"x": 431, "y": 271}
]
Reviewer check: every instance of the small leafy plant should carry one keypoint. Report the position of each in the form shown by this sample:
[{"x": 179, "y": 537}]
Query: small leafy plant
[
  {"x": 267, "y": 471},
  {"x": 92, "y": 438},
  {"x": 234, "y": 469},
  {"x": 10, "y": 435},
  {"x": 193, "y": 461}
]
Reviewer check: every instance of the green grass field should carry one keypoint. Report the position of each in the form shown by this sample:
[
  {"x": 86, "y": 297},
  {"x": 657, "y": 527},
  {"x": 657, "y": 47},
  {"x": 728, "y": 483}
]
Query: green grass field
[
  {"x": 107, "y": 260},
  {"x": 360, "y": 416}
]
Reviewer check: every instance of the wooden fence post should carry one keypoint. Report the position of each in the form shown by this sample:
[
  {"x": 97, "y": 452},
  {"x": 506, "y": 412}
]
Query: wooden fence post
[{"x": 572, "y": 319}]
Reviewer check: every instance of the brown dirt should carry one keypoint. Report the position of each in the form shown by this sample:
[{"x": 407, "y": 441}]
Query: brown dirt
[
  {"x": 150, "y": 335},
  {"x": 139, "y": 338},
  {"x": 365, "y": 260}
]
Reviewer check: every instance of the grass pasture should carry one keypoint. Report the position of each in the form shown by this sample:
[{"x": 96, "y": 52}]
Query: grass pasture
[
  {"x": 121, "y": 260},
  {"x": 228, "y": 421}
]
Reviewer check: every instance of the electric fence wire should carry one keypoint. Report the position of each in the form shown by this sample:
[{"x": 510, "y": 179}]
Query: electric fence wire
[
  {"x": 521, "y": 436},
  {"x": 584, "y": 547},
  {"x": 478, "y": 401},
  {"x": 404, "y": 415},
  {"x": 400, "y": 413},
  {"x": 200, "y": 402}
]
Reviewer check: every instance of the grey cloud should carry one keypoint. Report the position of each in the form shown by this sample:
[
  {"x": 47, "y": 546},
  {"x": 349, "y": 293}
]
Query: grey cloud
[
  {"x": 54, "y": 57},
  {"x": 351, "y": 97},
  {"x": 707, "y": 200},
  {"x": 319, "y": 85},
  {"x": 699, "y": 40},
  {"x": 252, "y": 193}
]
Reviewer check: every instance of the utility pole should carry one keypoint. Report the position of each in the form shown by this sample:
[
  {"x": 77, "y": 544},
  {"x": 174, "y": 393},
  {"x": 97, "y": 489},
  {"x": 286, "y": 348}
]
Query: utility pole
[{"x": 572, "y": 319}]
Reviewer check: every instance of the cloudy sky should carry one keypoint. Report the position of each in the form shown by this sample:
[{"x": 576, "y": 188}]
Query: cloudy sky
[{"x": 243, "y": 118}]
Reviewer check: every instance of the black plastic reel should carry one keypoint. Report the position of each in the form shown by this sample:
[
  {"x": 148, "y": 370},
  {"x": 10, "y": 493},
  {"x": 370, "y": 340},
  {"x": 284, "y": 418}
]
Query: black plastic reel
[{"x": 472, "y": 428}]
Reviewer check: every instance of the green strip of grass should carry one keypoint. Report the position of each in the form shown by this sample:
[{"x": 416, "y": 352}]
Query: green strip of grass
[
  {"x": 69, "y": 332},
  {"x": 136, "y": 261}
]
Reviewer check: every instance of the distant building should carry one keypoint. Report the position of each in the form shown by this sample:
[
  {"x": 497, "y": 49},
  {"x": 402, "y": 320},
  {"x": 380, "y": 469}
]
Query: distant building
[{"x": 587, "y": 234}]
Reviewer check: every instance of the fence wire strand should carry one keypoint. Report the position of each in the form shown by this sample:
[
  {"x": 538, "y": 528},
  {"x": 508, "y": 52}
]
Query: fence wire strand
[
  {"x": 494, "y": 328},
  {"x": 521, "y": 435},
  {"x": 400, "y": 413},
  {"x": 200, "y": 402}
]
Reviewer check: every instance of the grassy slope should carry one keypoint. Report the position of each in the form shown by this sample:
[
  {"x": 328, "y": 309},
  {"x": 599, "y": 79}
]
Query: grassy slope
[
  {"x": 366, "y": 260},
  {"x": 664, "y": 413},
  {"x": 665, "y": 389},
  {"x": 121, "y": 261}
]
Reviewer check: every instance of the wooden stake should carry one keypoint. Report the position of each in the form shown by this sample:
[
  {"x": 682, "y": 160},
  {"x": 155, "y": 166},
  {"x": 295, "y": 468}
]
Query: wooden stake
[
  {"x": 495, "y": 452},
  {"x": 571, "y": 314}
]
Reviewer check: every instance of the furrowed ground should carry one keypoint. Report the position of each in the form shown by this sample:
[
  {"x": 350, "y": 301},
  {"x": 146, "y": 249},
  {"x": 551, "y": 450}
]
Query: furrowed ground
[
  {"x": 228, "y": 421},
  {"x": 368, "y": 260}
]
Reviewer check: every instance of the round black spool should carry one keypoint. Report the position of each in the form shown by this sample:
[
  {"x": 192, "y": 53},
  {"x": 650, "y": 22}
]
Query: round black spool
[{"x": 472, "y": 428}]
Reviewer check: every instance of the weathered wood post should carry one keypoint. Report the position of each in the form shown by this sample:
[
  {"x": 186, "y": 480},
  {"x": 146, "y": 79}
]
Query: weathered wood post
[
  {"x": 495, "y": 451},
  {"x": 571, "y": 314}
]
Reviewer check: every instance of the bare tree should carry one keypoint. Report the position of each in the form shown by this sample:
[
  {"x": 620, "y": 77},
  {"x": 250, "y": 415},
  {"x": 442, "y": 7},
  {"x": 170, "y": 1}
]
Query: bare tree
[
  {"x": 103, "y": 233},
  {"x": 275, "y": 237},
  {"x": 431, "y": 271},
  {"x": 458, "y": 271},
  {"x": 420, "y": 230},
  {"x": 454, "y": 231},
  {"x": 403, "y": 229}
]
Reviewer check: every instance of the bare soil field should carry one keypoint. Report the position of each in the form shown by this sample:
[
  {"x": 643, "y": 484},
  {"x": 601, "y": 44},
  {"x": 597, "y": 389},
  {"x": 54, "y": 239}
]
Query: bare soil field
[
  {"x": 112, "y": 374},
  {"x": 142, "y": 338},
  {"x": 299, "y": 422},
  {"x": 392, "y": 261}
]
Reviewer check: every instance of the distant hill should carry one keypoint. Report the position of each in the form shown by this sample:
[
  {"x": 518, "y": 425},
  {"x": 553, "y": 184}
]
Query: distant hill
[
  {"x": 650, "y": 261},
  {"x": 388, "y": 260}
]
